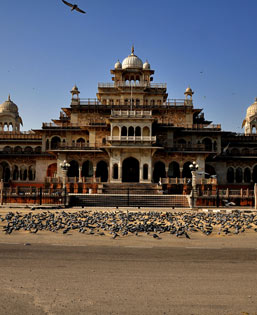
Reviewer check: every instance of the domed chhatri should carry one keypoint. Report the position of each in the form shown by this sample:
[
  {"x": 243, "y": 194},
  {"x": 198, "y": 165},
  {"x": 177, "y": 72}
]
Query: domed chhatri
[
  {"x": 9, "y": 116},
  {"x": 250, "y": 121},
  {"x": 8, "y": 106},
  {"x": 75, "y": 92},
  {"x": 189, "y": 93},
  {"x": 117, "y": 65},
  {"x": 132, "y": 61},
  {"x": 146, "y": 65}
]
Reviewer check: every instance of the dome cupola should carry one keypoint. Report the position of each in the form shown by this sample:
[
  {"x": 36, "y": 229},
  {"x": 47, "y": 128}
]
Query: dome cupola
[
  {"x": 117, "y": 65},
  {"x": 146, "y": 65},
  {"x": 9, "y": 106},
  {"x": 132, "y": 61}
]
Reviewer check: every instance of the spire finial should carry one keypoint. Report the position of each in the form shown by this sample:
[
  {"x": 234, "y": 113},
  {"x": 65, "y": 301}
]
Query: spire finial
[
  {"x": 9, "y": 97},
  {"x": 132, "y": 50}
]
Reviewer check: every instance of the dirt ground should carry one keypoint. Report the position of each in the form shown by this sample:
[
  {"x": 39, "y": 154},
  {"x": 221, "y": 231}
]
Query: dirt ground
[{"x": 53, "y": 273}]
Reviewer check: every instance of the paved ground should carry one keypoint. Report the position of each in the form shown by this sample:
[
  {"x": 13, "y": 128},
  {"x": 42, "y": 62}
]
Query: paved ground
[{"x": 89, "y": 274}]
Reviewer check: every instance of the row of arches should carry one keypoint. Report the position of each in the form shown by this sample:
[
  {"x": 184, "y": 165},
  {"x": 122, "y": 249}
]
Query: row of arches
[
  {"x": 240, "y": 175},
  {"x": 16, "y": 172},
  {"x": 132, "y": 101},
  {"x": 8, "y": 126},
  {"x": 19, "y": 149},
  {"x": 130, "y": 131},
  {"x": 208, "y": 143},
  {"x": 55, "y": 142}
]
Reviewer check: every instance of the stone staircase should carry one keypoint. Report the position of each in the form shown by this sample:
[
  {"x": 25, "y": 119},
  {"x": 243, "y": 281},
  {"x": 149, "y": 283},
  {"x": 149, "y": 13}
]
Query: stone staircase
[
  {"x": 132, "y": 188},
  {"x": 129, "y": 200}
]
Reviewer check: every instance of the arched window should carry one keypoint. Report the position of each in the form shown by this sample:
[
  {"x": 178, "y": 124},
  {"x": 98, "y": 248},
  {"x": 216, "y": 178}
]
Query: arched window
[
  {"x": 23, "y": 173},
  {"x": 138, "y": 131},
  {"x": 115, "y": 131},
  {"x": 247, "y": 175},
  {"x": 80, "y": 143},
  {"x": 174, "y": 170},
  {"x": 146, "y": 132},
  {"x": 239, "y": 175},
  {"x": 145, "y": 171},
  {"x": 32, "y": 173},
  {"x": 7, "y": 150},
  {"x": 131, "y": 131},
  {"x": 137, "y": 102},
  {"x": 55, "y": 142},
  {"x": 152, "y": 102},
  {"x": 207, "y": 144},
  {"x": 115, "y": 171},
  {"x": 15, "y": 174},
  {"x": 124, "y": 131},
  {"x": 28, "y": 150},
  {"x": 230, "y": 175}
]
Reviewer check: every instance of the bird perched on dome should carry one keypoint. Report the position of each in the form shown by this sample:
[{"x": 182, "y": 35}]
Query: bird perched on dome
[{"x": 73, "y": 6}]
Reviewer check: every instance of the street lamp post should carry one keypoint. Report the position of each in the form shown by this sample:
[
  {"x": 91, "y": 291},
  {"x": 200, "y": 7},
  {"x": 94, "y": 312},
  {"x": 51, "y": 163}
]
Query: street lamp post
[
  {"x": 64, "y": 166},
  {"x": 193, "y": 168}
]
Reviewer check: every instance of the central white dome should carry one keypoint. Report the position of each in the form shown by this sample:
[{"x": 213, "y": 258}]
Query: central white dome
[{"x": 132, "y": 62}]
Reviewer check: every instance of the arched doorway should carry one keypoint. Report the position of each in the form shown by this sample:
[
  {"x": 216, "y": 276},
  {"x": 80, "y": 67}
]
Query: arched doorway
[
  {"x": 102, "y": 171},
  {"x": 130, "y": 170},
  {"x": 73, "y": 170},
  {"x": 51, "y": 170},
  {"x": 174, "y": 170},
  {"x": 159, "y": 171},
  {"x": 209, "y": 170},
  {"x": 87, "y": 169},
  {"x": 186, "y": 173},
  {"x": 5, "y": 172}
]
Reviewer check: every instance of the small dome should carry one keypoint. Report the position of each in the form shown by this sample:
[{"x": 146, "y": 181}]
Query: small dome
[
  {"x": 252, "y": 109},
  {"x": 75, "y": 88},
  {"x": 146, "y": 65},
  {"x": 9, "y": 106},
  {"x": 117, "y": 65},
  {"x": 189, "y": 90}
]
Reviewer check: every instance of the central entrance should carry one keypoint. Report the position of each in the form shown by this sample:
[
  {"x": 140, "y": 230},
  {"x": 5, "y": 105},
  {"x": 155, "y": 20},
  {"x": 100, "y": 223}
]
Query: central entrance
[{"x": 130, "y": 170}]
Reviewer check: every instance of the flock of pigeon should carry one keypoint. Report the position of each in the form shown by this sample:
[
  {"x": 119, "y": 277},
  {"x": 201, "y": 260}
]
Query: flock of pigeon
[{"x": 120, "y": 224}]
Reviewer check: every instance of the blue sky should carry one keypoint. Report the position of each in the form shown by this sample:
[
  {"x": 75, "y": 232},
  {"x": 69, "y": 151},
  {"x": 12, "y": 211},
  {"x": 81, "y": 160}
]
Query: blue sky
[{"x": 46, "y": 48}]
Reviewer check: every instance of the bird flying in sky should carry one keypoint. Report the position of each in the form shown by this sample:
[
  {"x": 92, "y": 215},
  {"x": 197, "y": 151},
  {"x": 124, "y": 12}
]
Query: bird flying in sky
[{"x": 73, "y": 6}]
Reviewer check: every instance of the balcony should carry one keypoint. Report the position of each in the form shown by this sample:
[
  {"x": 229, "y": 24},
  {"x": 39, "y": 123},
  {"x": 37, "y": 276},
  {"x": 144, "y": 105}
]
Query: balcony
[
  {"x": 132, "y": 139},
  {"x": 131, "y": 114}
]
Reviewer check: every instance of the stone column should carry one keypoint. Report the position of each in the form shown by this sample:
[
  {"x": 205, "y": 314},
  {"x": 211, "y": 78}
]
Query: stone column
[
  {"x": 80, "y": 174},
  {"x": 141, "y": 173}
]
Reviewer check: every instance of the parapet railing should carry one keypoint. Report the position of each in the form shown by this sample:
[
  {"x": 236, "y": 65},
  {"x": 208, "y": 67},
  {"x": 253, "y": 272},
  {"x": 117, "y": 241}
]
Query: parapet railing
[
  {"x": 131, "y": 113},
  {"x": 131, "y": 138},
  {"x": 184, "y": 181},
  {"x": 132, "y": 85}
]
